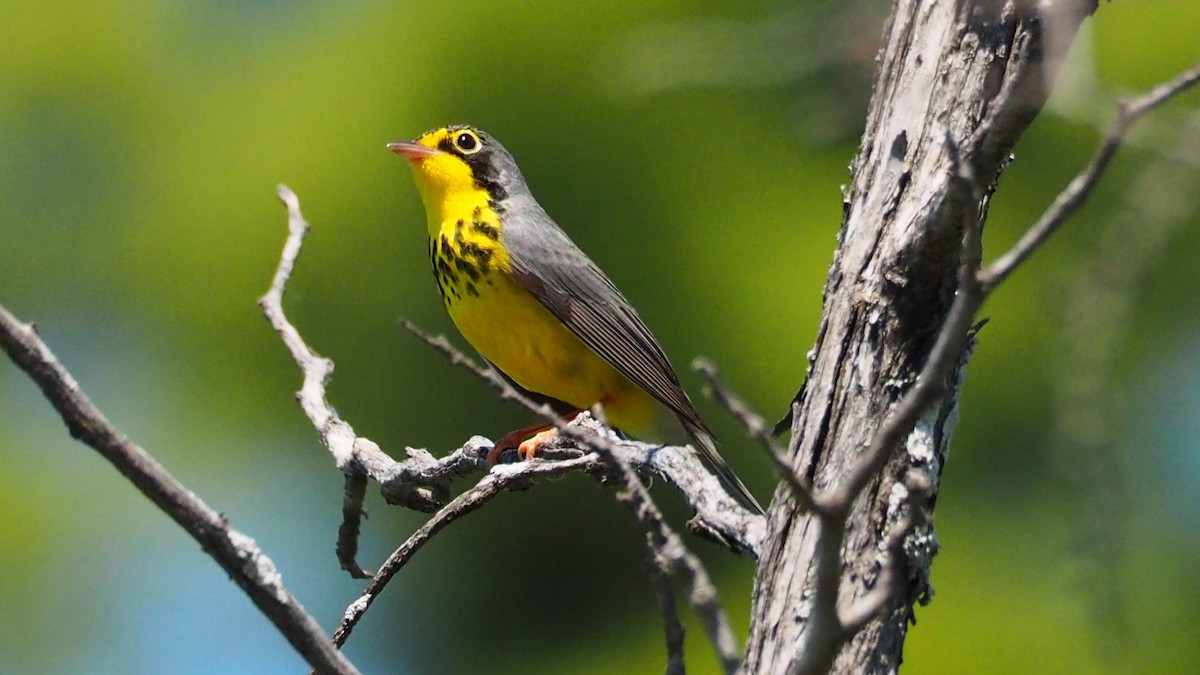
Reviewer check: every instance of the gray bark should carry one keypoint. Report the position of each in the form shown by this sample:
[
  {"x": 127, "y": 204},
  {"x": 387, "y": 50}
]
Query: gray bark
[{"x": 952, "y": 75}]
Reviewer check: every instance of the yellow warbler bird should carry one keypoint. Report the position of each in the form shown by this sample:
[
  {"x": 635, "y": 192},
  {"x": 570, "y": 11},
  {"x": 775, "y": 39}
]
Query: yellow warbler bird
[{"x": 524, "y": 295}]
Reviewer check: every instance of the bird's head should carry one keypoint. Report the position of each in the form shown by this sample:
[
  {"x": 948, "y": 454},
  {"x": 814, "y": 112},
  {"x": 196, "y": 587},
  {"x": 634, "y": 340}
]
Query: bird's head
[{"x": 459, "y": 161}]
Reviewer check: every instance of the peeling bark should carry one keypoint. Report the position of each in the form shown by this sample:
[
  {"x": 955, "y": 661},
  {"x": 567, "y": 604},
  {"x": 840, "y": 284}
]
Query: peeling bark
[{"x": 953, "y": 77}]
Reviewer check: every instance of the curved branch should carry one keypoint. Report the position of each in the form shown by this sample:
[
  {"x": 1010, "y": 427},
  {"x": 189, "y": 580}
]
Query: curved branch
[
  {"x": 235, "y": 552},
  {"x": 503, "y": 477}
]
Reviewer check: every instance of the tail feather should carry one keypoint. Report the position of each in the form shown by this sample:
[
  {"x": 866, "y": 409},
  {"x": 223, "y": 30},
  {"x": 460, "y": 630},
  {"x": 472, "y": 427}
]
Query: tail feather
[{"x": 707, "y": 445}]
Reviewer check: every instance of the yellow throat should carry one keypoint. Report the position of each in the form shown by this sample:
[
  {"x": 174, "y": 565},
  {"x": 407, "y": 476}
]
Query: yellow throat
[{"x": 465, "y": 232}]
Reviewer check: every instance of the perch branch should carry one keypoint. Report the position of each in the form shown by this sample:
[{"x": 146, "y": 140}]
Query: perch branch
[
  {"x": 718, "y": 513},
  {"x": 236, "y": 553},
  {"x": 422, "y": 482},
  {"x": 662, "y": 542}
]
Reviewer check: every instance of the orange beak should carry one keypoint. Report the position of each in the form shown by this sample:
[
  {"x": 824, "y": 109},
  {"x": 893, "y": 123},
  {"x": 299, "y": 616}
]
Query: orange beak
[{"x": 413, "y": 151}]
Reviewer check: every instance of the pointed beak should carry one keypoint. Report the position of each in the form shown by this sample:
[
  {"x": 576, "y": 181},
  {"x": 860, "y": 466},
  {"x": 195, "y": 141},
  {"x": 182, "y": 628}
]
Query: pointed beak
[{"x": 413, "y": 152}]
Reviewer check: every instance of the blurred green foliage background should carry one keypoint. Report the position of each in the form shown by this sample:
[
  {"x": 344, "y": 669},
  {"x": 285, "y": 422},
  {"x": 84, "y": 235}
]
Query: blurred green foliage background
[{"x": 695, "y": 149}]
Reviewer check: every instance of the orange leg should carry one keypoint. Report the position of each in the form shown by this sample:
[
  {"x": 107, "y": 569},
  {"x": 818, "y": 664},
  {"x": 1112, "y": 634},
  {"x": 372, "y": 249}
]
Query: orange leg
[{"x": 527, "y": 440}]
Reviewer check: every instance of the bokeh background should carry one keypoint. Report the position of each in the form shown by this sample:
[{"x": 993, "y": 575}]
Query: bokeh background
[{"x": 695, "y": 149}]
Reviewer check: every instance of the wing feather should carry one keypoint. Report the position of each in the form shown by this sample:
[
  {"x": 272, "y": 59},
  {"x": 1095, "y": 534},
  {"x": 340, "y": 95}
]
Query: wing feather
[
  {"x": 545, "y": 262},
  {"x": 583, "y": 298}
]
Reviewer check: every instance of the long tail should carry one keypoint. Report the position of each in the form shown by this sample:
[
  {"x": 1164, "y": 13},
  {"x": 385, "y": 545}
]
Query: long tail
[{"x": 707, "y": 445}]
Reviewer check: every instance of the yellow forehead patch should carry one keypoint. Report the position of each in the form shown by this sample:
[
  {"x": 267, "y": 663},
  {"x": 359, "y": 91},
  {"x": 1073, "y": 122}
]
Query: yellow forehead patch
[{"x": 430, "y": 139}]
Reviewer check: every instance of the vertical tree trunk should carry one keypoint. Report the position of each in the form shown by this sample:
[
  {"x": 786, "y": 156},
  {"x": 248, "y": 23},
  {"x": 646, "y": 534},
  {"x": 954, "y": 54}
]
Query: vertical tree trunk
[{"x": 971, "y": 74}]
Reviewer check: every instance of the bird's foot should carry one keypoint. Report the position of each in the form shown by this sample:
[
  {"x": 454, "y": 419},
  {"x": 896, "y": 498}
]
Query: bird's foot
[
  {"x": 528, "y": 448},
  {"x": 515, "y": 439},
  {"x": 527, "y": 441}
]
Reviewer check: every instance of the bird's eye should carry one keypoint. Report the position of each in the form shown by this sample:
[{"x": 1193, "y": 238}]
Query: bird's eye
[{"x": 467, "y": 143}]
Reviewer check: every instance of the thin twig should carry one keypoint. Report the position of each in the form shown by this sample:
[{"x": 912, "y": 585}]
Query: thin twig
[
  {"x": 757, "y": 428},
  {"x": 500, "y": 479},
  {"x": 1069, "y": 200},
  {"x": 236, "y": 553},
  {"x": 673, "y": 631},
  {"x": 658, "y": 571},
  {"x": 502, "y": 386},
  {"x": 664, "y": 543}
]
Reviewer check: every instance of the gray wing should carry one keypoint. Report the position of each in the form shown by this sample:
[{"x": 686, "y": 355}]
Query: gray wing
[
  {"x": 551, "y": 267},
  {"x": 565, "y": 281}
]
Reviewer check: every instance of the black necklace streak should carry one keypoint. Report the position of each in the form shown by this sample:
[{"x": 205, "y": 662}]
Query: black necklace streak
[
  {"x": 449, "y": 260},
  {"x": 462, "y": 257},
  {"x": 478, "y": 224},
  {"x": 443, "y": 273},
  {"x": 460, "y": 261}
]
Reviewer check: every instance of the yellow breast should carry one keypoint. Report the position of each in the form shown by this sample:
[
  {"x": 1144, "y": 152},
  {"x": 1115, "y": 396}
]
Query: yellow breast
[{"x": 510, "y": 328}]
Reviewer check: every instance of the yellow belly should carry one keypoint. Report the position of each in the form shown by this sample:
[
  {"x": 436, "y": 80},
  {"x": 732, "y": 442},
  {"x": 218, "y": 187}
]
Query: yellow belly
[
  {"x": 513, "y": 331},
  {"x": 508, "y": 325}
]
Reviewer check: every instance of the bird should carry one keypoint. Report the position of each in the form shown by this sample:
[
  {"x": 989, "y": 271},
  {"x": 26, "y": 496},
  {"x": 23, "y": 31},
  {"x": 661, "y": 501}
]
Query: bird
[{"x": 535, "y": 306}]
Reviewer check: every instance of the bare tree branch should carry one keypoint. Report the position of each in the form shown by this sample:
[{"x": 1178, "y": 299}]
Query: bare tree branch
[
  {"x": 664, "y": 594},
  {"x": 828, "y": 632},
  {"x": 235, "y": 552},
  {"x": 718, "y": 513},
  {"x": 501, "y": 478},
  {"x": 422, "y": 481},
  {"x": 757, "y": 428}
]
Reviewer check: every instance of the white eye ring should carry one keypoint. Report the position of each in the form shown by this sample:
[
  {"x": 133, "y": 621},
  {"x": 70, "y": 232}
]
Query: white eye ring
[{"x": 467, "y": 143}]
